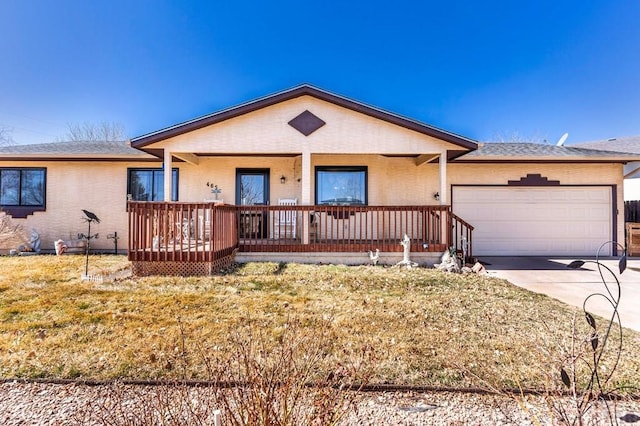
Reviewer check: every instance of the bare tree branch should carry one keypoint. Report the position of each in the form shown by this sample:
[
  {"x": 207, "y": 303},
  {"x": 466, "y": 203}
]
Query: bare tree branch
[
  {"x": 517, "y": 137},
  {"x": 6, "y": 137},
  {"x": 92, "y": 132}
]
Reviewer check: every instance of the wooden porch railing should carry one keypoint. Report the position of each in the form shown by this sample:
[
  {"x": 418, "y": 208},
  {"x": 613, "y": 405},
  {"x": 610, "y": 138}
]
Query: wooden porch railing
[
  {"x": 203, "y": 232},
  {"x": 181, "y": 232},
  {"x": 461, "y": 236}
]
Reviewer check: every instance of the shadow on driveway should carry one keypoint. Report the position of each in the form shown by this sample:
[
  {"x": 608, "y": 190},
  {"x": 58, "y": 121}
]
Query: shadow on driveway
[{"x": 508, "y": 263}]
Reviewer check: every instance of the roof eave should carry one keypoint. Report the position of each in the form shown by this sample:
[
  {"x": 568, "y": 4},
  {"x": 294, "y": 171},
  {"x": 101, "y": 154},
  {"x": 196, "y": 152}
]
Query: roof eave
[
  {"x": 44, "y": 157},
  {"x": 559, "y": 159}
]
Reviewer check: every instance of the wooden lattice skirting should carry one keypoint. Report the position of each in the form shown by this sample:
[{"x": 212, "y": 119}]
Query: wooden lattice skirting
[{"x": 184, "y": 269}]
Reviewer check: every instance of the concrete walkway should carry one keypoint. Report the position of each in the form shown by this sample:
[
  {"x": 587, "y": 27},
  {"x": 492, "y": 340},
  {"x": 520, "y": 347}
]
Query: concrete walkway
[{"x": 572, "y": 286}]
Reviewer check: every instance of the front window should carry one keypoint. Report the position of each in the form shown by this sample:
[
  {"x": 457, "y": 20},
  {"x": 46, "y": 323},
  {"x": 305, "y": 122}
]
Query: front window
[
  {"x": 22, "y": 187},
  {"x": 148, "y": 184},
  {"x": 341, "y": 186}
]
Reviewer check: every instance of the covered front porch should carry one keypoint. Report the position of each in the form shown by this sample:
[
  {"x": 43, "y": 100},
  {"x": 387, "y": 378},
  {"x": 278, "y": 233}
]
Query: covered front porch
[
  {"x": 299, "y": 175},
  {"x": 201, "y": 238}
]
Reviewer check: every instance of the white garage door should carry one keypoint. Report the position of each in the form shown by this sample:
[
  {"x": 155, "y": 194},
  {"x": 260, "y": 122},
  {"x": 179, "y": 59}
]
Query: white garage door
[{"x": 536, "y": 221}]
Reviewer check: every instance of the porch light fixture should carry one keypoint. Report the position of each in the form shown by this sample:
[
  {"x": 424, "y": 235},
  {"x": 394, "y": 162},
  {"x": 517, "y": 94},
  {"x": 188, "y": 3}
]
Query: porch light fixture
[
  {"x": 283, "y": 179},
  {"x": 436, "y": 196}
]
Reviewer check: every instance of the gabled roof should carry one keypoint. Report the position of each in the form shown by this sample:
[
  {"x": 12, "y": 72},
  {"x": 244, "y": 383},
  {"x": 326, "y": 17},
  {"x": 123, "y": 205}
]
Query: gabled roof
[
  {"x": 543, "y": 152},
  {"x": 303, "y": 90},
  {"x": 81, "y": 150},
  {"x": 622, "y": 144}
]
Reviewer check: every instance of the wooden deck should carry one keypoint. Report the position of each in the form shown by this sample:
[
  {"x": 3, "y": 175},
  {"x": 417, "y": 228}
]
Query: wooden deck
[{"x": 204, "y": 232}]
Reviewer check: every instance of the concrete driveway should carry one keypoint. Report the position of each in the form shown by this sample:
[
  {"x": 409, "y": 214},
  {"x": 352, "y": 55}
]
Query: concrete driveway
[{"x": 551, "y": 276}]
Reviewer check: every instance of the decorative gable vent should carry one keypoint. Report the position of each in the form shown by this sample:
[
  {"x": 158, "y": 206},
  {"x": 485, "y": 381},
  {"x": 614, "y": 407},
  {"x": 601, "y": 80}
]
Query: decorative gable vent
[
  {"x": 534, "y": 179},
  {"x": 306, "y": 123}
]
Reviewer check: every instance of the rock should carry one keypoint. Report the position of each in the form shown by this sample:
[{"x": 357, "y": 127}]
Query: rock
[{"x": 478, "y": 268}]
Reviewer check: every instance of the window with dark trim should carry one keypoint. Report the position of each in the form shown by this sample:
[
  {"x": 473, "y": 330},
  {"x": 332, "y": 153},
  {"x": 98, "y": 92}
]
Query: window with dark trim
[
  {"x": 148, "y": 184},
  {"x": 23, "y": 188},
  {"x": 341, "y": 185},
  {"x": 252, "y": 187}
]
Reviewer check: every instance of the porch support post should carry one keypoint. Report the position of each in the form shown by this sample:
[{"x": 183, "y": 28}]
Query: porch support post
[
  {"x": 168, "y": 176},
  {"x": 306, "y": 178},
  {"x": 445, "y": 227},
  {"x": 305, "y": 198},
  {"x": 443, "y": 178}
]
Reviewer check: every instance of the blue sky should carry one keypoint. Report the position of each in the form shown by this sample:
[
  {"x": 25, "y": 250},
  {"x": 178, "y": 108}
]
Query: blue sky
[{"x": 481, "y": 69}]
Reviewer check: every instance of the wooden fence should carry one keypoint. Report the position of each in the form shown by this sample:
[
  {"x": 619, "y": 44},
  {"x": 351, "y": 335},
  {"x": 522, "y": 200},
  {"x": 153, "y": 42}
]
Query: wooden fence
[{"x": 632, "y": 211}]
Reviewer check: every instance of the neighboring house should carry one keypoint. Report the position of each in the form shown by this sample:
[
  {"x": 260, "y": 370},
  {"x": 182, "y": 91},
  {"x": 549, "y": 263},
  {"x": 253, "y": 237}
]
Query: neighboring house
[
  {"x": 309, "y": 175},
  {"x": 628, "y": 144}
]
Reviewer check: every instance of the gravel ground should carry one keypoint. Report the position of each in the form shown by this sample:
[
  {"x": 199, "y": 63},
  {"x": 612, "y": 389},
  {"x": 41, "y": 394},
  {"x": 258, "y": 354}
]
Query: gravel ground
[{"x": 51, "y": 404}]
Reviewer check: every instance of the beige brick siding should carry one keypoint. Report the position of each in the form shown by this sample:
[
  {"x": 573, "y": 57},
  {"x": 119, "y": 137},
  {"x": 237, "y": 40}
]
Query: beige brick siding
[
  {"x": 391, "y": 181},
  {"x": 567, "y": 174},
  {"x": 100, "y": 187}
]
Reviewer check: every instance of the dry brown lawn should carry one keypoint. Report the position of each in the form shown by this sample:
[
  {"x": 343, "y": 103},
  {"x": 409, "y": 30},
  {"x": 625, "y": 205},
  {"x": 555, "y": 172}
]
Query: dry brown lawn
[{"x": 420, "y": 326}]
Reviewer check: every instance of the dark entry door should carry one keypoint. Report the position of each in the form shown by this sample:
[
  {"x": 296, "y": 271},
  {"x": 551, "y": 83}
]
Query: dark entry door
[{"x": 252, "y": 189}]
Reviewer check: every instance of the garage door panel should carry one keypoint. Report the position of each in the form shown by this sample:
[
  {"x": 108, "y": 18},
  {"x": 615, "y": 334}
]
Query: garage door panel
[
  {"x": 536, "y": 220},
  {"x": 546, "y": 230},
  {"x": 536, "y": 247},
  {"x": 595, "y": 229}
]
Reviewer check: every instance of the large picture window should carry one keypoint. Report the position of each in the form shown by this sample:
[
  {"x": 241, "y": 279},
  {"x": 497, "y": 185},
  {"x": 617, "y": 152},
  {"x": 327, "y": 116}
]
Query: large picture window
[
  {"x": 22, "y": 187},
  {"x": 341, "y": 186},
  {"x": 148, "y": 184}
]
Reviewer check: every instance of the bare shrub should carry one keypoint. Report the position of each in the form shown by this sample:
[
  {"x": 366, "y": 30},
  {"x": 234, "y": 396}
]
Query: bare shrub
[
  {"x": 592, "y": 357},
  {"x": 136, "y": 405},
  {"x": 288, "y": 376},
  {"x": 579, "y": 387},
  {"x": 265, "y": 374},
  {"x": 11, "y": 234}
]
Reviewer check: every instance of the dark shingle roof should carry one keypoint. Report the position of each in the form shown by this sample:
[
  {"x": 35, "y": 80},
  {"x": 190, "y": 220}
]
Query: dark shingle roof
[
  {"x": 507, "y": 151},
  {"x": 102, "y": 149}
]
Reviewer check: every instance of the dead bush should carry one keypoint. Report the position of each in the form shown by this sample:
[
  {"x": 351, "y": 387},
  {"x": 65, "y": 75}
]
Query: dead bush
[{"x": 265, "y": 374}]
